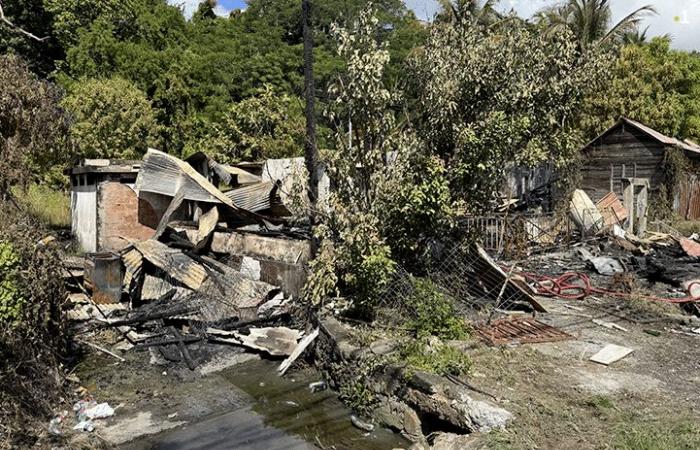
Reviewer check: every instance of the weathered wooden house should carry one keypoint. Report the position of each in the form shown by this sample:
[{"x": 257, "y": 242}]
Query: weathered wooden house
[{"x": 628, "y": 159}]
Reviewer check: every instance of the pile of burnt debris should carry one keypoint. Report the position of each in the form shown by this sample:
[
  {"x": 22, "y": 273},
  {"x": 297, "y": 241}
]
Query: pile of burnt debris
[
  {"x": 222, "y": 266},
  {"x": 225, "y": 266}
]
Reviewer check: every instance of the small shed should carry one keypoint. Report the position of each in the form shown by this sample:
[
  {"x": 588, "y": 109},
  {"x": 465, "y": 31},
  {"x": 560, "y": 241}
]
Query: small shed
[
  {"x": 105, "y": 208},
  {"x": 628, "y": 160}
]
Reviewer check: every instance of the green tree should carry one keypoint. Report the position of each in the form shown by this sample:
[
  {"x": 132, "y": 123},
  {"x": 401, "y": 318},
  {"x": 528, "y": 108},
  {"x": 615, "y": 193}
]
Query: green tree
[
  {"x": 32, "y": 125},
  {"x": 353, "y": 249},
  {"x": 653, "y": 84},
  {"x": 494, "y": 97},
  {"x": 31, "y": 16},
  {"x": 267, "y": 125},
  {"x": 72, "y": 16},
  {"x": 591, "y": 20},
  {"x": 112, "y": 118},
  {"x": 468, "y": 11}
]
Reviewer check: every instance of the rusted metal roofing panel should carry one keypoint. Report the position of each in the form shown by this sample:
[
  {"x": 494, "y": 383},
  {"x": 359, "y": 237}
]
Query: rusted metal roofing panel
[
  {"x": 612, "y": 209},
  {"x": 132, "y": 261},
  {"x": 660, "y": 137},
  {"x": 173, "y": 262}
]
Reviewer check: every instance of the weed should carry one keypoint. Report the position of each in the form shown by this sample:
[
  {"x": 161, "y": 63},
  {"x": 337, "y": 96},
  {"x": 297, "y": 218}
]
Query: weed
[
  {"x": 358, "y": 396},
  {"x": 433, "y": 313},
  {"x": 660, "y": 436},
  {"x": 602, "y": 406},
  {"x": 49, "y": 206},
  {"x": 11, "y": 300},
  {"x": 434, "y": 357}
]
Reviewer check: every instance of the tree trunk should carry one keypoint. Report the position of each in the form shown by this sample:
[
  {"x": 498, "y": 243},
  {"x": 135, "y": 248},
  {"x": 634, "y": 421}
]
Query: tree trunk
[{"x": 310, "y": 152}]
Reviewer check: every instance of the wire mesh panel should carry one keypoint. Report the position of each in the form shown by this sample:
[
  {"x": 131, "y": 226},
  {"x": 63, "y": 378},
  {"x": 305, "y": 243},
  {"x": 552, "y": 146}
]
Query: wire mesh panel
[{"x": 466, "y": 273}]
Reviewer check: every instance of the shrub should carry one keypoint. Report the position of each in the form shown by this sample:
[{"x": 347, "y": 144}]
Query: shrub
[
  {"x": 433, "y": 313},
  {"x": 11, "y": 300},
  {"x": 32, "y": 329}
]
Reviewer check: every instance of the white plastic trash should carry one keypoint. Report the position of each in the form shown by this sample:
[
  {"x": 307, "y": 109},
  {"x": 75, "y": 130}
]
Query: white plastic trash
[{"x": 99, "y": 411}]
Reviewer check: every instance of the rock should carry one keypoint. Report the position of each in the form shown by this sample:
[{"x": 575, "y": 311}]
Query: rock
[
  {"x": 483, "y": 415},
  {"x": 362, "y": 425},
  {"x": 157, "y": 358},
  {"x": 419, "y": 446},
  {"x": 399, "y": 416},
  {"x": 452, "y": 403},
  {"x": 452, "y": 441},
  {"x": 383, "y": 346}
]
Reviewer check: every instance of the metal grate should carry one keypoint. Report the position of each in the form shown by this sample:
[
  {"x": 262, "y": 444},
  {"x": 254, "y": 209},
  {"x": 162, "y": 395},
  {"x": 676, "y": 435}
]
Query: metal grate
[{"x": 519, "y": 330}]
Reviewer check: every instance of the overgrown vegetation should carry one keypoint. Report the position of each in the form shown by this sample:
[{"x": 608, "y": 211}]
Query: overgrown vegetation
[
  {"x": 356, "y": 393},
  {"x": 11, "y": 299},
  {"x": 32, "y": 125},
  {"x": 50, "y": 205},
  {"x": 434, "y": 356},
  {"x": 678, "y": 435},
  {"x": 432, "y": 313},
  {"x": 32, "y": 329}
]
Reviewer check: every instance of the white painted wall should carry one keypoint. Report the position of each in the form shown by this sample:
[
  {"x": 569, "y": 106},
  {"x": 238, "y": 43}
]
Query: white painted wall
[{"x": 83, "y": 202}]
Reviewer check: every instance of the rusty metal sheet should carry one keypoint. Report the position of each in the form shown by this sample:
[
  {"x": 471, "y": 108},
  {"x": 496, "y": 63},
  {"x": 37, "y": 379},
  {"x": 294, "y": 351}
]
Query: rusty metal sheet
[
  {"x": 173, "y": 262},
  {"x": 132, "y": 261},
  {"x": 612, "y": 209},
  {"x": 520, "y": 330}
]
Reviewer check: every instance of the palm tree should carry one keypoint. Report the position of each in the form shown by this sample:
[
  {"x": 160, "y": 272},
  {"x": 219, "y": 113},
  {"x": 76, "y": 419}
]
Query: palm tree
[
  {"x": 464, "y": 12},
  {"x": 590, "y": 20},
  {"x": 639, "y": 37}
]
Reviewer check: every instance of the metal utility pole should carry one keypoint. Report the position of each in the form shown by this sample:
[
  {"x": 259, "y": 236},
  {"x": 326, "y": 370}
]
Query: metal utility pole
[{"x": 310, "y": 151}]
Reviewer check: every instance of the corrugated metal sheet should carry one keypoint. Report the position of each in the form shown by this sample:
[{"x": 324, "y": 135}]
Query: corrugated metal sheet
[
  {"x": 612, "y": 209},
  {"x": 242, "y": 177},
  {"x": 173, "y": 262},
  {"x": 256, "y": 197},
  {"x": 132, "y": 261},
  {"x": 688, "y": 199}
]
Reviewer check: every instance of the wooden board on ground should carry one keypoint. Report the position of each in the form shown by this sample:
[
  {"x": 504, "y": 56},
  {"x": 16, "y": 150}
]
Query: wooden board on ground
[{"x": 610, "y": 354}]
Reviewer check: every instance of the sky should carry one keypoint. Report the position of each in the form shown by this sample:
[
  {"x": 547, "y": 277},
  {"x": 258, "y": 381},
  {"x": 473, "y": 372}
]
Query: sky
[{"x": 680, "y": 18}]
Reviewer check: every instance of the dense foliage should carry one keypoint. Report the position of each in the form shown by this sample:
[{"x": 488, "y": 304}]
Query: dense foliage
[
  {"x": 31, "y": 329},
  {"x": 653, "y": 84},
  {"x": 111, "y": 119},
  {"x": 32, "y": 125},
  {"x": 494, "y": 97}
]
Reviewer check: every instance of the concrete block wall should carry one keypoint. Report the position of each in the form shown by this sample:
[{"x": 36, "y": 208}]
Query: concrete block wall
[{"x": 279, "y": 261}]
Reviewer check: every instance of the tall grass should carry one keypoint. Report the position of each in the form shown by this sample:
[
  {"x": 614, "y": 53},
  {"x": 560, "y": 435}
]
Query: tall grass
[{"x": 50, "y": 206}]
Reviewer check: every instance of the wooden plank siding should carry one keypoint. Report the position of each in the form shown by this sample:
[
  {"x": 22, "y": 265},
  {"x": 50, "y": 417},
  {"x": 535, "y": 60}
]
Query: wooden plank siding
[{"x": 623, "y": 152}]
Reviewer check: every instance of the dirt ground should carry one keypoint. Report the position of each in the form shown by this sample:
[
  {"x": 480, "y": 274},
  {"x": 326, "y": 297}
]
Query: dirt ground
[{"x": 561, "y": 400}]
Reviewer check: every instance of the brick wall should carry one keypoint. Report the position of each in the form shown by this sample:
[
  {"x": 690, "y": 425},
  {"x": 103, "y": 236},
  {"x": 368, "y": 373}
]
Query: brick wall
[{"x": 118, "y": 216}]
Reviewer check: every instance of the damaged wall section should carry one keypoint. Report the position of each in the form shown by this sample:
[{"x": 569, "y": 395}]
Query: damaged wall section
[{"x": 105, "y": 208}]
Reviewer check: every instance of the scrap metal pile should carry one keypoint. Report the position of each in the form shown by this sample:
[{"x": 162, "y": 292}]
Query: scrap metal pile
[
  {"x": 182, "y": 286},
  {"x": 661, "y": 258}
]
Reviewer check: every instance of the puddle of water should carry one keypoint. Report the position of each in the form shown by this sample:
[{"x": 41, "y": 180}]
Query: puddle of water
[{"x": 319, "y": 418}]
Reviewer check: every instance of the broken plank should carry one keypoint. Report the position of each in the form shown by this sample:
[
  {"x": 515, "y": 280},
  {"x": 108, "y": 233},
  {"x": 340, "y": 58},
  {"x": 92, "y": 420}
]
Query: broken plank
[
  {"x": 305, "y": 342},
  {"x": 277, "y": 341},
  {"x": 610, "y": 354}
]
